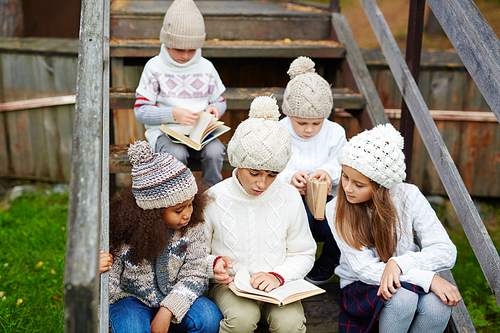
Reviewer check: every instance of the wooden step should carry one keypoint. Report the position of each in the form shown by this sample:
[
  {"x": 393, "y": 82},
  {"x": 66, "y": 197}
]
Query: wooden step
[
  {"x": 240, "y": 98},
  {"x": 225, "y": 20},
  {"x": 217, "y": 48}
]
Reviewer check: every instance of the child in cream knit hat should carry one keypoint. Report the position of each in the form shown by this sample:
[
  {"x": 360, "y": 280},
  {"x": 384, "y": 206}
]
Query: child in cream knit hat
[
  {"x": 157, "y": 266},
  {"x": 177, "y": 84},
  {"x": 256, "y": 222},
  {"x": 391, "y": 240},
  {"x": 316, "y": 142}
]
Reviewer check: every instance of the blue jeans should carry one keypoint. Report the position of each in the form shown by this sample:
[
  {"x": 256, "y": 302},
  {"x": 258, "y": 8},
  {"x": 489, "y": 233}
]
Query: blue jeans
[{"x": 129, "y": 315}]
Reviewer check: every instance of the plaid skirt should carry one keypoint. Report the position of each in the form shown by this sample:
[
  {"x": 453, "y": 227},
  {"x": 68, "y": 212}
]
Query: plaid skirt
[{"x": 360, "y": 306}]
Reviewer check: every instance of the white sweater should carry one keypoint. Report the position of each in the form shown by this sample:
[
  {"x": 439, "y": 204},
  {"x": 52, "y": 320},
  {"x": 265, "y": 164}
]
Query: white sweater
[
  {"x": 267, "y": 233},
  {"x": 318, "y": 152},
  {"x": 418, "y": 266}
]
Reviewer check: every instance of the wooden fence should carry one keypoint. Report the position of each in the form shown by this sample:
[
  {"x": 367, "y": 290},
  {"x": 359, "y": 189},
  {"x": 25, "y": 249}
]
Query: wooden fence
[{"x": 35, "y": 137}]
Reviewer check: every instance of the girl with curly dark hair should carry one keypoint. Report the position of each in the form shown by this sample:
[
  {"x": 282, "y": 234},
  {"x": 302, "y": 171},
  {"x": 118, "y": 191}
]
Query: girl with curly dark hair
[{"x": 157, "y": 245}]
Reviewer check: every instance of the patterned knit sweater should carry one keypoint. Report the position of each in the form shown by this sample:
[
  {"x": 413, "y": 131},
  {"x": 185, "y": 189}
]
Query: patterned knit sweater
[
  {"x": 267, "y": 233},
  {"x": 319, "y": 152},
  {"x": 418, "y": 264},
  {"x": 174, "y": 280}
]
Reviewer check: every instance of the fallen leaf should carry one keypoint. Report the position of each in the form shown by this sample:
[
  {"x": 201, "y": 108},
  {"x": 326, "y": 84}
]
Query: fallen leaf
[
  {"x": 53, "y": 272},
  {"x": 2, "y": 293},
  {"x": 19, "y": 301},
  {"x": 39, "y": 264}
]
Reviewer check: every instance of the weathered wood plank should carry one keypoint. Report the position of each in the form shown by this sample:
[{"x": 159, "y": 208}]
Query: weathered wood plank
[
  {"x": 37, "y": 103},
  {"x": 475, "y": 42},
  {"x": 37, "y": 45},
  {"x": 475, "y": 230},
  {"x": 81, "y": 276},
  {"x": 359, "y": 70}
]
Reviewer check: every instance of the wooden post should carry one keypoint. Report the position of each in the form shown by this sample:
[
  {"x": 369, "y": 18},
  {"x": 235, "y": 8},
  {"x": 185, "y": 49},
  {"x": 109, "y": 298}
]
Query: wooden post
[
  {"x": 413, "y": 48},
  {"x": 334, "y": 6},
  {"x": 81, "y": 273},
  {"x": 11, "y": 18},
  {"x": 474, "y": 228}
]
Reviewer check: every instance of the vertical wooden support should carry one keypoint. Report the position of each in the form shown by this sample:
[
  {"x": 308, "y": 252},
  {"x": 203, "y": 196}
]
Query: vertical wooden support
[
  {"x": 104, "y": 302},
  {"x": 474, "y": 228},
  {"x": 81, "y": 274},
  {"x": 413, "y": 49}
]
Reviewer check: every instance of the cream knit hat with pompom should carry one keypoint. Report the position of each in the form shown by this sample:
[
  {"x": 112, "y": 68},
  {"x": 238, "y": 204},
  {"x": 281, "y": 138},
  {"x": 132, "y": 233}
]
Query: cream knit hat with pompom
[
  {"x": 261, "y": 142},
  {"x": 307, "y": 95},
  {"x": 159, "y": 180},
  {"x": 377, "y": 154},
  {"x": 183, "y": 26}
]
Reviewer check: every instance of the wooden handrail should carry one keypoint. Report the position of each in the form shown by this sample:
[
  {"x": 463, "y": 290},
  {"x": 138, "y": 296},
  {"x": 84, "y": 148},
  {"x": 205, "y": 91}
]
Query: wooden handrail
[
  {"x": 81, "y": 273},
  {"x": 474, "y": 228}
]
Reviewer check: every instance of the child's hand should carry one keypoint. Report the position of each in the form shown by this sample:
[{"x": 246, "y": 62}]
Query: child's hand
[
  {"x": 448, "y": 293},
  {"x": 213, "y": 110},
  {"x": 264, "y": 281},
  {"x": 184, "y": 116},
  {"x": 161, "y": 322},
  {"x": 221, "y": 270},
  {"x": 105, "y": 261},
  {"x": 322, "y": 175},
  {"x": 390, "y": 277},
  {"x": 299, "y": 181}
]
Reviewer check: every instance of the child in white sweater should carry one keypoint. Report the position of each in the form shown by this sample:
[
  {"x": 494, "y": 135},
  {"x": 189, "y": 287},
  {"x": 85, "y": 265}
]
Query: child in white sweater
[
  {"x": 256, "y": 222},
  {"x": 177, "y": 84},
  {"x": 391, "y": 240},
  {"x": 316, "y": 142}
]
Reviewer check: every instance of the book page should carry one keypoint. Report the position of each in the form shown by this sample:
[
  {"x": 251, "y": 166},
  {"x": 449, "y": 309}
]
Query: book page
[{"x": 198, "y": 131}]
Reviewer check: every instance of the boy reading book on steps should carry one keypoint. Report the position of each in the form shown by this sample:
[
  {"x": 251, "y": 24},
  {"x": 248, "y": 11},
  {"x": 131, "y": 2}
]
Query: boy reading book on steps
[
  {"x": 177, "y": 84},
  {"x": 316, "y": 142},
  {"x": 255, "y": 221}
]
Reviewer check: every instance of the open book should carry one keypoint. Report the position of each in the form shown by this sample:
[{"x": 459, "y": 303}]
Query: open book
[
  {"x": 288, "y": 293},
  {"x": 316, "y": 194},
  {"x": 205, "y": 129}
]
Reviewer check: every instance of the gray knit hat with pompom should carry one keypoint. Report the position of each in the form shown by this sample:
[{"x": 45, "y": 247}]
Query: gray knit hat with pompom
[
  {"x": 159, "y": 180},
  {"x": 261, "y": 142},
  {"x": 183, "y": 26},
  {"x": 377, "y": 154},
  {"x": 307, "y": 95}
]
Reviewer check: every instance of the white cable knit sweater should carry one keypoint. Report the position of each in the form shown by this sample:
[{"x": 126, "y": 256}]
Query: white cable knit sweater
[
  {"x": 268, "y": 233},
  {"x": 318, "y": 152},
  {"x": 418, "y": 266}
]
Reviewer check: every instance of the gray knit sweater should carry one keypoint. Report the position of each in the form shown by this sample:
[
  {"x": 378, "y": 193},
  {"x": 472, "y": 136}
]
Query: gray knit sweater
[{"x": 173, "y": 280}]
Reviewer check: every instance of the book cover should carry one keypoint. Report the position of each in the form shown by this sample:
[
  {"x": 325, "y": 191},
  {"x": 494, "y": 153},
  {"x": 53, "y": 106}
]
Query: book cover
[
  {"x": 288, "y": 293},
  {"x": 205, "y": 129},
  {"x": 316, "y": 194}
]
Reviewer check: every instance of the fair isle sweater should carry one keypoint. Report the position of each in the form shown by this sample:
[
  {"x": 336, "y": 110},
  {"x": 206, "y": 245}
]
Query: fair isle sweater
[
  {"x": 318, "y": 152},
  {"x": 167, "y": 84},
  {"x": 418, "y": 264},
  {"x": 173, "y": 280},
  {"x": 267, "y": 233}
]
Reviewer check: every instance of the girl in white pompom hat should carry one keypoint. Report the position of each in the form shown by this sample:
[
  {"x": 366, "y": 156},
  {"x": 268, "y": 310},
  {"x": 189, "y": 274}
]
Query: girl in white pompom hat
[
  {"x": 391, "y": 241},
  {"x": 256, "y": 222}
]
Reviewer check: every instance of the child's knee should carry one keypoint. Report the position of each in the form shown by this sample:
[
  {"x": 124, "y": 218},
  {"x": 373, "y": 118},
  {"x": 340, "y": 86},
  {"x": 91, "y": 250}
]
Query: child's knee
[
  {"x": 213, "y": 150},
  {"x": 239, "y": 321},
  {"x": 291, "y": 318}
]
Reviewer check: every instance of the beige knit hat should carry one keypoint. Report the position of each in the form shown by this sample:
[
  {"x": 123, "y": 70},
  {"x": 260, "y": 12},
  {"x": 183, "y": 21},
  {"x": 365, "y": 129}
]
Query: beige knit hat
[
  {"x": 377, "y": 154},
  {"x": 261, "y": 142},
  {"x": 307, "y": 95},
  {"x": 183, "y": 26}
]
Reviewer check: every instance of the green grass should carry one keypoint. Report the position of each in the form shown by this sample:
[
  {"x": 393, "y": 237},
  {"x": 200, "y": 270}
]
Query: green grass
[{"x": 32, "y": 247}]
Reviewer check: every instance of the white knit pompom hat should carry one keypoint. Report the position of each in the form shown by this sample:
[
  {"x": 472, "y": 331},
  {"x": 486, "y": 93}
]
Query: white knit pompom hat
[
  {"x": 261, "y": 142},
  {"x": 377, "y": 154},
  {"x": 307, "y": 95},
  {"x": 183, "y": 26}
]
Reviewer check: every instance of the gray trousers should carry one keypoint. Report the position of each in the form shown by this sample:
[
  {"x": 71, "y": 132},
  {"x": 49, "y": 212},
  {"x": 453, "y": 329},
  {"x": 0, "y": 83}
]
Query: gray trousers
[{"x": 211, "y": 156}]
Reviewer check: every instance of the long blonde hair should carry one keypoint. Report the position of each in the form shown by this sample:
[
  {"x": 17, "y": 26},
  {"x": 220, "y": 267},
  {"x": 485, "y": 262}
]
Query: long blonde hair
[{"x": 357, "y": 229}]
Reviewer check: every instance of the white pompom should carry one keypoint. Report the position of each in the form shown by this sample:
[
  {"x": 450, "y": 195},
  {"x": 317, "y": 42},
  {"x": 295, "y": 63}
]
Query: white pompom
[
  {"x": 301, "y": 65},
  {"x": 139, "y": 152},
  {"x": 264, "y": 107},
  {"x": 390, "y": 134}
]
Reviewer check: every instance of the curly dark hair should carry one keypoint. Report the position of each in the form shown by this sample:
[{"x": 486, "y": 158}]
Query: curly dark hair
[{"x": 144, "y": 230}]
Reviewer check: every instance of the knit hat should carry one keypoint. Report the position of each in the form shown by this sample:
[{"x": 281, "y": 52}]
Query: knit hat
[
  {"x": 261, "y": 142},
  {"x": 183, "y": 26},
  {"x": 307, "y": 95},
  {"x": 159, "y": 180},
  {"x": 377, "y": 154}
]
